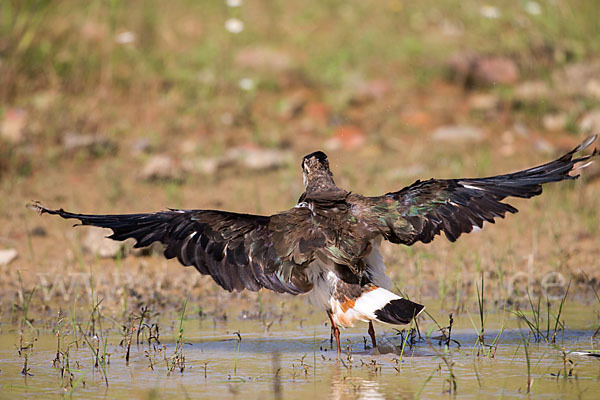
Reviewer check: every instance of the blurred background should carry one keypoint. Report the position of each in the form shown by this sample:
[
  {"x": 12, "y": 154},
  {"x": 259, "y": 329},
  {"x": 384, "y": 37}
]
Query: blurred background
[{"x": 111, "y": 106}]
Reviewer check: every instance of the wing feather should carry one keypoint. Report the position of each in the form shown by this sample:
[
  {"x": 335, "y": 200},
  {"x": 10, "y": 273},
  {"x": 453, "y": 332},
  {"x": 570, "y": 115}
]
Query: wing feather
[
  {"x": 423, "y": 210},
  {"x": 237, "y": 250}
]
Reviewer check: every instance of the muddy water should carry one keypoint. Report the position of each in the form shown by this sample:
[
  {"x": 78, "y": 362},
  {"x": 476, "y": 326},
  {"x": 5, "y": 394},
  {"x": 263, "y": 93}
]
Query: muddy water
[{"x": 295, "y": 362}]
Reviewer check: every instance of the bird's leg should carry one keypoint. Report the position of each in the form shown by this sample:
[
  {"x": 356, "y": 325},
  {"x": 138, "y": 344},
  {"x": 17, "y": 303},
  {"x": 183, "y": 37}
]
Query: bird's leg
[
  {"x": 372, "y": 334},
  {"x": 336, "y": 333}
]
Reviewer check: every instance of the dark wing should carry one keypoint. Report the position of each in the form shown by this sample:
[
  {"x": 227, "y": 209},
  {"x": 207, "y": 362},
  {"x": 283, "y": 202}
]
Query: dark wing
[
  {"x": 422, "y": 210},
  {"x": 238, "y": 250}
]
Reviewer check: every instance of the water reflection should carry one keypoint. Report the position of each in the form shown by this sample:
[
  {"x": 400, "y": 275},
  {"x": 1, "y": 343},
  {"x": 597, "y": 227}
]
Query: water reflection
[{"x": 345, "y": 386}]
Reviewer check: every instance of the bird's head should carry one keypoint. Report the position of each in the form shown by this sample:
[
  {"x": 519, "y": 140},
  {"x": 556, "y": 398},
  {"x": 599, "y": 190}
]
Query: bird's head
[{"x": 315, "y": 166}]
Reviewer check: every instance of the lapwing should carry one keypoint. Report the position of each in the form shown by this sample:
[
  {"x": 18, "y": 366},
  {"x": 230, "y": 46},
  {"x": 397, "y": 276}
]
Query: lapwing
[{"x": 328, "y": 245}]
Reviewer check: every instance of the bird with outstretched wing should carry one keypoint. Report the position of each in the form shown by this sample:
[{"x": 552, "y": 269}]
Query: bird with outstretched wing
[{"x": 327, "y": 246}]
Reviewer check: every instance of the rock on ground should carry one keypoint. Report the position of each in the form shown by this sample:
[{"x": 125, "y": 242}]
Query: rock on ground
[
  {"x": 590, "y": 122},
  {"x": 7, "y": 256},
  {"x": 457, "y": 133},
  {"x": 257, "y": 158},
  {"x": 495, "y": 70},
  {"x": 579, "y": 79},
  {"x": 94, "y": 143},
  {"x": 532, "y": 91},
  {"x": 161, "y": 167},
  {"x": 481, "y": 70},
  {"x": 484, "y": 101},
  {"x": 96, "y": 243},
  {"x": 554, "y": 122},
  {"x": 13, "y": 125}
]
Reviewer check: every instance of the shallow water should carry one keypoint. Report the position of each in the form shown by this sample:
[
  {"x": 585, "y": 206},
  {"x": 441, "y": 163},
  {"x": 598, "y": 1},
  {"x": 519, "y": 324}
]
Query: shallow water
[{"x": 295, "y": 362}]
